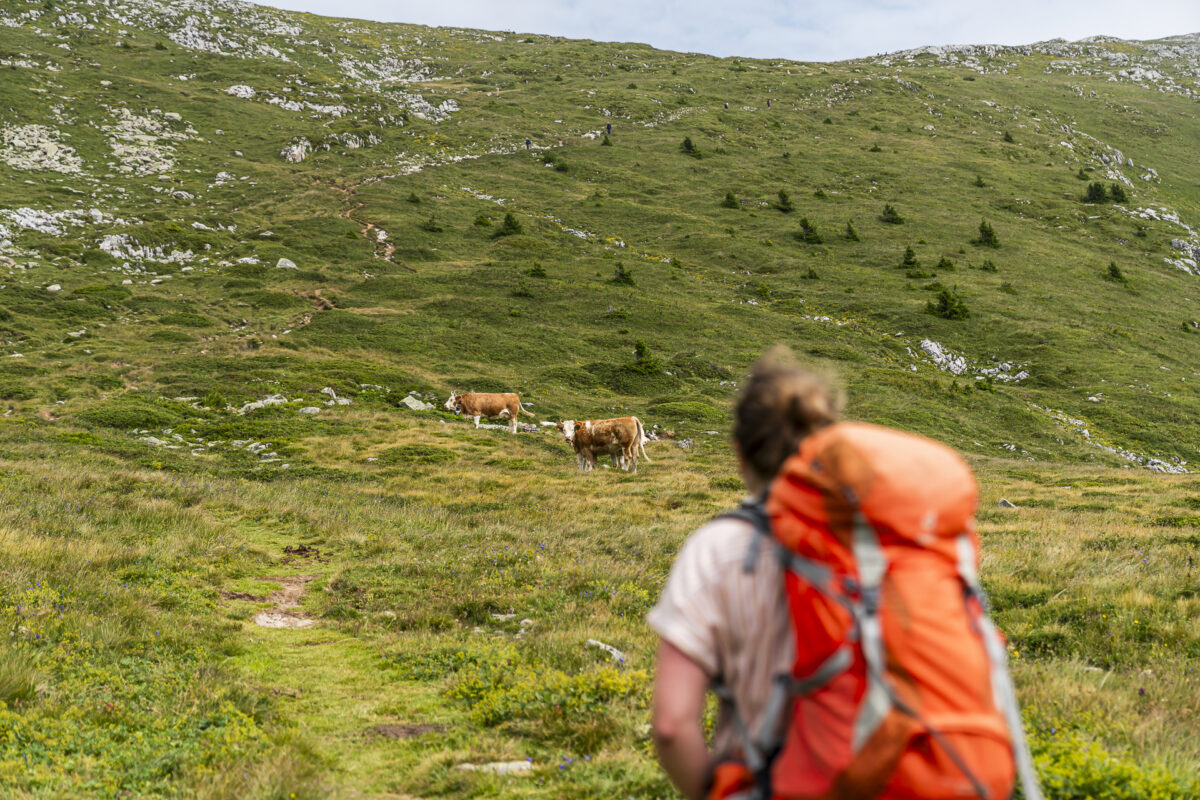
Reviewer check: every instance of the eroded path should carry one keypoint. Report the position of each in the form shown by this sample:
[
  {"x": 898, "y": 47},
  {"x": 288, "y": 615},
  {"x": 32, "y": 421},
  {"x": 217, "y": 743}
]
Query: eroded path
[{"x": 367, "y": 728}]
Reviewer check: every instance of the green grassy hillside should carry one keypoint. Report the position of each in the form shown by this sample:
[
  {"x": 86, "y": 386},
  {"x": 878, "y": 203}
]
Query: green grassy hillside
[{"x": 234, "y": 239}]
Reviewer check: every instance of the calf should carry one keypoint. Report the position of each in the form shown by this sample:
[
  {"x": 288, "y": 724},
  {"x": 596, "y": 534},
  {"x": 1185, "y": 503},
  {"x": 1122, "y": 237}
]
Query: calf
[
  {"x": 621, "y": 438},
  {"x": 481, "y": 404}
]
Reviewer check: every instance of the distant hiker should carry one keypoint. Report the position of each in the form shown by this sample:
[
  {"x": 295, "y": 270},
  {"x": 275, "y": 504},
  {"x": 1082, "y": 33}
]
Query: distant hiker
[
  {"x": 528, "y": 144},
  {"x": 838, "y": 617},
  {"x": 608, "y": 127},
  {"x": 727, "y": 106},
  {"x": 768, "y": 102}
]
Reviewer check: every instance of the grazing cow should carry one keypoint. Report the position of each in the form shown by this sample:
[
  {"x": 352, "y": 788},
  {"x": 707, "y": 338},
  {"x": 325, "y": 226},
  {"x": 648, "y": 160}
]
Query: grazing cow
[
  {"x": 621, "y": 438},
  {"x": 481, "y": 404}
]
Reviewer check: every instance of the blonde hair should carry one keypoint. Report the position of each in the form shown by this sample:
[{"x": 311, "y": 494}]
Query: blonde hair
[{"x": 781, "y": 403}]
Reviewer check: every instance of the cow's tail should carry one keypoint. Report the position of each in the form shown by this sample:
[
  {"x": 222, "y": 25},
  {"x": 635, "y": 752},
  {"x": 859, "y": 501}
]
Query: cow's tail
[
  {"x": 642, "y": 440},
  {"x": 521, "y": 409}
]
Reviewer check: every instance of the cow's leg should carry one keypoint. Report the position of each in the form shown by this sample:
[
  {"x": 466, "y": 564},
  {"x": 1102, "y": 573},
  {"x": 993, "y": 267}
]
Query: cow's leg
[
  {"x": 512, "y": 425},
  {"x": 476, "y": 420}
]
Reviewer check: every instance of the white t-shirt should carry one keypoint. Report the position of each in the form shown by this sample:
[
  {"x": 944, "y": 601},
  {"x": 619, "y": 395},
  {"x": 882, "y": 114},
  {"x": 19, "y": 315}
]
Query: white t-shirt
[{"x": 733, "y": 624}]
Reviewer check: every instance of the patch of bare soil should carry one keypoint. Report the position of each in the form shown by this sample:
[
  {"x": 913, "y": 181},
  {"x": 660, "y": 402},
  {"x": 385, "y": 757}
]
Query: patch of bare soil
[
  {"x": 403, "y": 731},
  {"x": 302, "y": 552},
  {"x": 253, "y": 598},
  {"x": 286, "y": 613}
]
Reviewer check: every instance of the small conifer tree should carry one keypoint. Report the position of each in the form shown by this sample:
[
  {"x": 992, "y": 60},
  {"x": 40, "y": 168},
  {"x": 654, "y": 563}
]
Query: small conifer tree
[
  {"x": 431, "y": 225},
  {"x": 510, "y": 227},
  {"x": 785, "y": 202},
  {"x": 851, "y": 234},
  {"x": 1117, "y": 192},
  {"x": 808, "y": 232},
  {"x": 645, "y": 361},
  {"x": 979, "y": 181},
  {"x": 413, "y": 198},
  {"x": 623, "y": 276},
  {"x": 1008, "y": 137},
  {"x": 890, "y": 215},
  {"x": 948, "y": 305},
  {"x": 730, "y": 201},
  {"x": 1115, "y": 274},
  {"x": 689, "y": 149},
  {"x": 1095, "y": 193},
  {"x": 910, "y": 259},
  {"x": 811, "y": 275},
  {"x": 606, "y": 142},
  {"x": 875, "y": 148},
  {"x": 945, "y": 263},
  {"x": 988, "y": 266},
  {"x": 987, "y": 236},
  {"x": 1082, "y": 174}
]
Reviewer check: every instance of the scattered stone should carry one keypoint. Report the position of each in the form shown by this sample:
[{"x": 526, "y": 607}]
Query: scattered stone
[
  {"x": 54, "y": 287},
  {"x": 270, "y": 400},
  {"x": 296, "y": 151},
  {"x": 334, "y": 399},
  {"x": 1005, "y": 504},
  {"x": 285, "y": 263},
  {"x": 616, "y": 654},
  {"x": 499, "y": 767},
  {"x": 685, "y": 444},
  {"x": 310, "y": 410}
]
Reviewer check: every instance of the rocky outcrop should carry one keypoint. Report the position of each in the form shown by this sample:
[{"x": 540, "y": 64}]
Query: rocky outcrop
[{"x": 37, "y": 147}]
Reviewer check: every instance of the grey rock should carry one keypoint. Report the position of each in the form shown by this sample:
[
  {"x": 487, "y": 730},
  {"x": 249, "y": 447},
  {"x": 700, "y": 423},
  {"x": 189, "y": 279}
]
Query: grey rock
[
  {"x": 414, "y": 404},
  {"x": 310, "y": 410},
  {"x": 1005, "y": 504},
  {"x": 499, "y": 767},
  {"x": 616, "y": 654}
]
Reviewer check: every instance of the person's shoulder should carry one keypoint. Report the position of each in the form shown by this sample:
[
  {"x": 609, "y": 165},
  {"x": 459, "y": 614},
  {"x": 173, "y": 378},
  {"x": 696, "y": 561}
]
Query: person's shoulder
[{"x": 720, "y": 540}]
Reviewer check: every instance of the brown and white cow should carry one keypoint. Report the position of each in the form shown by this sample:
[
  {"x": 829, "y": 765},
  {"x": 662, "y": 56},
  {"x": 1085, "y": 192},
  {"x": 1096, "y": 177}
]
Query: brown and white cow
[
  {"x": 621, "y": 438},
  {"x": 482, "y": 404}
]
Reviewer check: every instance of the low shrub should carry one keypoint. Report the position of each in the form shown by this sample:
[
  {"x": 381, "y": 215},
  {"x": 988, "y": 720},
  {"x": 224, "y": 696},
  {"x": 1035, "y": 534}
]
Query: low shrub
[{"x": 416, "y": 454}]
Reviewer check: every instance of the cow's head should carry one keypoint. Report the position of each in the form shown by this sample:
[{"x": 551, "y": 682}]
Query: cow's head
[
  {"x": 568, "y": 428},
  {"x": 453, "y": 404}
]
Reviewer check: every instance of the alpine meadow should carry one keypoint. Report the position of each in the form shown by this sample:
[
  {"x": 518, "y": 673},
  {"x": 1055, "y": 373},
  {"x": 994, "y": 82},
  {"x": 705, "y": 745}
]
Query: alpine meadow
[{"x": 247, "y": 254}]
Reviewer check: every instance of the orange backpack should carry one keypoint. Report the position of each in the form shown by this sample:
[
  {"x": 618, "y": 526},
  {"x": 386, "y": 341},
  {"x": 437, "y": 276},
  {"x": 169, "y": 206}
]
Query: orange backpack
[{"x": 900, "y": 688}]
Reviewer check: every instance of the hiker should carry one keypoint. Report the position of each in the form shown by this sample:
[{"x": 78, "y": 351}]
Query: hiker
[
  {"x": 768, "y": 102},
  {"x": 528, "y": 144},
  {"x": 727, "y": 106},
  {"x": 820, "y": 625},
  {"x": 608, "y": 127}
]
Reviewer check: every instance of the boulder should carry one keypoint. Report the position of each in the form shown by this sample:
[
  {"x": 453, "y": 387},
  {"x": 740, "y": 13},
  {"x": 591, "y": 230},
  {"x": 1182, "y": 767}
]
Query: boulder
[
  {"x": 285, "y": 263},
  {"x": 310, "y": 410},
  {"x": 1005, "y": 504},
  {"x": 414, "y": 404}
]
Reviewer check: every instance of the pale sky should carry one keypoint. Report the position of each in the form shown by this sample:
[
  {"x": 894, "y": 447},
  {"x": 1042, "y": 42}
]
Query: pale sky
[{"x": 803, "y": 30}]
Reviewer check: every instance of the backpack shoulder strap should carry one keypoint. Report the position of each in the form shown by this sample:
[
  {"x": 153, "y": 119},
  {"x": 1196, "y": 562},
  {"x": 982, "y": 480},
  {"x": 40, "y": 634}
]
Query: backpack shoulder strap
[
  {"x": 1004, "y": 692},
  {"x": 753, "y": 511}
]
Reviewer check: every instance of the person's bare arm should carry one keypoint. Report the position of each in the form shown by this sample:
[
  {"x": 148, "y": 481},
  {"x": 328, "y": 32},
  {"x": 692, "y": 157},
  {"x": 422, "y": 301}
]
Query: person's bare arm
[{"x": 677, "y": 721}]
